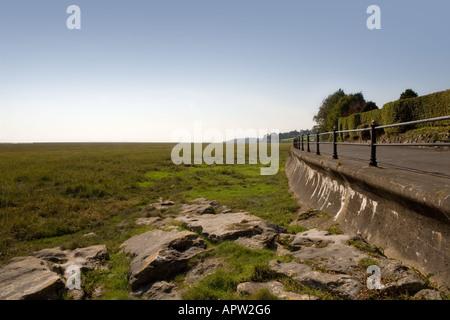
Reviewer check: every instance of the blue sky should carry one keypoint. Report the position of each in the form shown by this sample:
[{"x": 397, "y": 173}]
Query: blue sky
[{"x": 138, "y": 70}]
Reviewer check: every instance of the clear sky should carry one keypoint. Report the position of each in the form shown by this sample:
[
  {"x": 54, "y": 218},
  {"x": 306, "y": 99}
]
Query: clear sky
[{"x": 138, "y": 70}]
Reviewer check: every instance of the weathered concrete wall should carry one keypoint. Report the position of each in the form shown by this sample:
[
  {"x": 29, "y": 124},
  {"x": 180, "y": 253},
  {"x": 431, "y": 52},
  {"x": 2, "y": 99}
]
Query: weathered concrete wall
[{"x": 407, "y": 214}]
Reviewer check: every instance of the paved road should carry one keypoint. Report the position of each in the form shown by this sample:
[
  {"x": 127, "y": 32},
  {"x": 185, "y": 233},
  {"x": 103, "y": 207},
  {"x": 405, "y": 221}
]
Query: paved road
[{"x": 424, "y": 160}]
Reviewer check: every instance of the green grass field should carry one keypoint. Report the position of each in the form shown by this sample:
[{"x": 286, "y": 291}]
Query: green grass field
[{"x": 53, "y": 194}]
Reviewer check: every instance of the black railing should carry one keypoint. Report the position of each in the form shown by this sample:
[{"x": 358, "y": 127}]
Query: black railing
[{"x": 298, "y": 142}]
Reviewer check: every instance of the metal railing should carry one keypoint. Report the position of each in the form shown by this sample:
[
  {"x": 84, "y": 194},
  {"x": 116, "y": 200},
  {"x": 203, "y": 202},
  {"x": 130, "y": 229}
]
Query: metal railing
[{"x": 299, "y": 141}]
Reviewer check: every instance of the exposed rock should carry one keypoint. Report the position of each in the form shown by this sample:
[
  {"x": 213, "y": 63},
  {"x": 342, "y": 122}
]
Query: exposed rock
[
  {"x": 405, "y": 280},
  {"x": 24, "y": 278},
  {"x": 98, "y": 292},
  {"x": 159, "y": 205},
  {"x": 147, "y": 221},
  {"x": 275, "y": 287},
  {"x": 231, "y": 226},
  {"x": 90, "y": 234},
  {"x": 203, "y": 206},
  {"x": 202, "y": 269},
  {"x": 158, "y": 255},
  {"x": 75, "y": 294},
  {"x": 88, "y": 258},
  {"x": 39, "y": 275},
  {"x": 55, "y": 255},
  {"x": 162, "y": 290},
  {"x": 348, "y": 287},
  {"x": 428, "y": 294},
  {"x": 327, "y": 250}
]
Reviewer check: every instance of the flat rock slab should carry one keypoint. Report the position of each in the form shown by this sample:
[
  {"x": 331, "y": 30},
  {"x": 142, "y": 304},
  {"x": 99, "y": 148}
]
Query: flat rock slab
[
  {"x": 327, "y": 250},
  {"x": 233, "y": 226},
  {"x": 276, "y": 288},
  {"x": 203, "y": 206},
  {"x": 88, "y": 258},
  {"x": 326, "y": 261},
  {"x": 163, "y": 290},
  {"x": 26, "y": 278},
  {"x": 346, "y": 286},
  {"x": 42, "y": 275},
  {"x": 404, "y": 279},
  {"x": 158, "y": 255}
]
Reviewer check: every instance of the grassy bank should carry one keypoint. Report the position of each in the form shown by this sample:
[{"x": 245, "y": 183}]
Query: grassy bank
[{"x": 53, "y": 194}]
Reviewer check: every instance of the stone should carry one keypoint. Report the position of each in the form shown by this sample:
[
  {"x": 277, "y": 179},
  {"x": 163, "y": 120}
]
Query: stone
[
  {"x": 159, "y": 205},
  {"x": 75, "y": 294},
  {"x": 159, "y": 255},
  {"x": 39, "y": 275},
  {"x": 428, "y": 294},
  {"x": 274, "y": 287},
  {"x": 90, "y": 234},
  {"x": 232, "y": 226},
  {"x": 26, "y": 278},
  {"x": 163, "y": 290},
  {"x": 88, "y": 258},
  {"x": 98, "y": 292},
  {"x": 55, "y": 255},
  {"x": 405, "y": 280},
  {"x": 203, "y": 206},
  {"x": 327, "y": 250},
  {"x": 147, "y": 221},
  {"x": 202, "y": 269},
  {"x": 346, "y": 286}
]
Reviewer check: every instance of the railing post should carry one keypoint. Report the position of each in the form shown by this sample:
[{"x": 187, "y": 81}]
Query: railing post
[
  {"x": 335, "y": 156},
  {"x": 307, "y": 143},
  {"x": 303, "y": 149},
  {"x": 317, "y": 143},
  {"x": 373, "y": 145}
]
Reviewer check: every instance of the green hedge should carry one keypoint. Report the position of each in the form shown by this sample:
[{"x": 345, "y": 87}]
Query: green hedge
[{"x": 429, "y": 106}]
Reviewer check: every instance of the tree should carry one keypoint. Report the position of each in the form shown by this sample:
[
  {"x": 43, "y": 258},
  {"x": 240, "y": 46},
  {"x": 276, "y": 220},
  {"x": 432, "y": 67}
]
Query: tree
[
  {"x": 409, "y": 93},
  {"x": 370, "y": 105},
  {"x": 347, "y": 105},
  {"x": 326, "y": 107}
]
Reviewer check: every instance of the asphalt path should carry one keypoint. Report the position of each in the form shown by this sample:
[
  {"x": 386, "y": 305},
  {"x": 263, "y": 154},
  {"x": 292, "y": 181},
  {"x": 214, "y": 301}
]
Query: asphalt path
[{"x": 430, "y": 160}]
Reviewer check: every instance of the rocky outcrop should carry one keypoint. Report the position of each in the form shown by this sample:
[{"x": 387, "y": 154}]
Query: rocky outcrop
[
  {"x": 346, "y": 286},
  {"x": 328, "y": 262},
  {"x": 25, "y": 278},
  {"x": 402, "y": 279},
  {"x": 162, "y": 290},
  {"x": 44, "y": 274},
  {"x": 245, "y": 228},
  {"x": 88, "y": 258},
  {"x": 274, "y": 287},
  {"x": 203, "y": 206},
  {"x": 327, "y": 250},
  {"x": 158, "y": 255},
  {"x": 428, "y": 294}
]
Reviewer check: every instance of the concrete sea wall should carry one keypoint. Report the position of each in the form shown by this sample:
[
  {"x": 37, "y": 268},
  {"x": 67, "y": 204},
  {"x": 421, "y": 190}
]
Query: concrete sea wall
[{"x": 407, "y": 214}]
